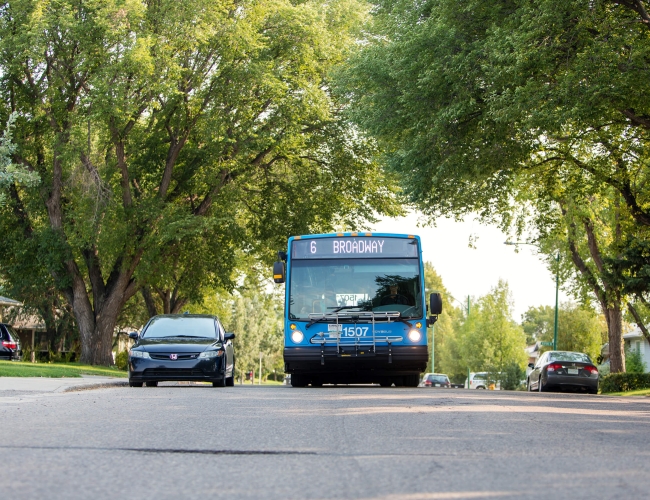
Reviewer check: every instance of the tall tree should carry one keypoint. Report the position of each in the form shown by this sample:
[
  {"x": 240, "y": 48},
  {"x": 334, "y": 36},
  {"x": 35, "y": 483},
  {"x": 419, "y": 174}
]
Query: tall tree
[
  {"x": 488, "y": 339},
  {"x": 443, "y": 330},
  {"x": 156, "y": 124}
]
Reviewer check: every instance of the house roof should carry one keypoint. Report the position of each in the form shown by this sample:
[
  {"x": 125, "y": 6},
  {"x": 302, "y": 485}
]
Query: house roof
[
  {"x": 634, "y": 334},
  {"x": 6, "y": 301}
]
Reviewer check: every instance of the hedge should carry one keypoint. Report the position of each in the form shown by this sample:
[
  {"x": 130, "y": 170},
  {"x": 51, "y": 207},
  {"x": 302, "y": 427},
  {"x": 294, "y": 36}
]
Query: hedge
[{"x": 621, "y": 382}]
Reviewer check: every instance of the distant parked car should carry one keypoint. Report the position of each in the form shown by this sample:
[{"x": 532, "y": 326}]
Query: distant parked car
[
  {"x": 10, "y": 347},
  {"x": 563, "y": 370},
  {"x": 191, "y": 347},
  {"x": 479, "y": 380},
  {"x": 435, "y": 380}
]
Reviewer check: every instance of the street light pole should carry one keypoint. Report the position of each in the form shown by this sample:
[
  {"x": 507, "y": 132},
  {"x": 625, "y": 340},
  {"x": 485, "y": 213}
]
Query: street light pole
[
  {"x": 557, "y": 285},
  {"x": 557, "y": 290},
  {"x": 433, "y": 343}
]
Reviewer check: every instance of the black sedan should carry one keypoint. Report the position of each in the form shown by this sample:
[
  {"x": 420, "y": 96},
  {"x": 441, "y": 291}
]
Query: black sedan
[
  {"x": 10, "y": 343},
  {"x": 563, "y": 370},
  {"x": 186, "y": 347}
]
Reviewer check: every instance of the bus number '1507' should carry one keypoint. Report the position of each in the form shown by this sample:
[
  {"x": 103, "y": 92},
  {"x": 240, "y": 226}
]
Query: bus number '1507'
[{"x": 351, "y": 331}]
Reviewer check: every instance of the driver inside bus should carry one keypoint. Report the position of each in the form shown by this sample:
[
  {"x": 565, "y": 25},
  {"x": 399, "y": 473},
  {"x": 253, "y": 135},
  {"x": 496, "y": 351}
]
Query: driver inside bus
[{"x": 394, "y": 297}]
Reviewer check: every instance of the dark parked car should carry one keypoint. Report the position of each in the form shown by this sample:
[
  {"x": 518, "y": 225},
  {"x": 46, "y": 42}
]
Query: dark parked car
[
  {"x": 191, "y": 347},
  {"x": 435, "y": 380},
  {"x": 10, "y": 347},
  {"x": 563, "y": 369}
]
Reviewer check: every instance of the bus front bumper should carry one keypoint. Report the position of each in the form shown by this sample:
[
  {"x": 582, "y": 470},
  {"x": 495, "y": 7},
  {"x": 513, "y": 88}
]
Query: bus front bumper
[{"x": 382, "y": 360}]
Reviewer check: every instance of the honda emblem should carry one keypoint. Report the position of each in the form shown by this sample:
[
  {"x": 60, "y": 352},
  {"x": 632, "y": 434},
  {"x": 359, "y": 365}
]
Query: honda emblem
[{"x": 173, "y": 356}]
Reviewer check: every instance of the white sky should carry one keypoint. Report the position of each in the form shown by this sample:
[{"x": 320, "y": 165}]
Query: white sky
[{"x": 474, "y": 271}]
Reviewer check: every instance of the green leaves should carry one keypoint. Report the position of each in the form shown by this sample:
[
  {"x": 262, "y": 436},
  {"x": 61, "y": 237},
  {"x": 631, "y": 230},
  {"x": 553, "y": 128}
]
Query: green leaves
[{"x": 11, "y": 173}]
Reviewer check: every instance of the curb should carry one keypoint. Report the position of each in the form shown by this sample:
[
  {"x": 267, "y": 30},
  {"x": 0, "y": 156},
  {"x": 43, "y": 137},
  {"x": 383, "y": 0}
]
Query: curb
[{"x": 101, "y": 385}]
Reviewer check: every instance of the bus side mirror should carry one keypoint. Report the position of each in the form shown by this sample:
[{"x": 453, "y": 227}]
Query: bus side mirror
[
  {"x": 278, "y": 272},
  {"x": 435, "y": 303},
  {"x": 435, "y": 307}
]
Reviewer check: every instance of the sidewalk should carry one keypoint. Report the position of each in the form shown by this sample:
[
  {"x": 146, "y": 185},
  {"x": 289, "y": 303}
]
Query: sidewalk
[{"x": 46, "y": 384}]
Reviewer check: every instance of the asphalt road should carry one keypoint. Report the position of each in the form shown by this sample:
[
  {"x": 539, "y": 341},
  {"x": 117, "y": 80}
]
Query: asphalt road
[{"x": 321, "y": 443}]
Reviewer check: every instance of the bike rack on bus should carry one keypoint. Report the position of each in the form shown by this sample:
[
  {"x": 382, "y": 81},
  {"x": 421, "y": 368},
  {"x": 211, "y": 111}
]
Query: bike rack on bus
[{"x": 353, "y": 317}]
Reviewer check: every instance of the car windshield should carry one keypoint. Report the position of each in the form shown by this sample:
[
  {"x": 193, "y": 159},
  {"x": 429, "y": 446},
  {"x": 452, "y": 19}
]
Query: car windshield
[
  {"x": 438, "y": 379},
  {"x": 576, "y": 357},
  {"x": 320, "y": 286},
  {"x": 181, "y": 326}
]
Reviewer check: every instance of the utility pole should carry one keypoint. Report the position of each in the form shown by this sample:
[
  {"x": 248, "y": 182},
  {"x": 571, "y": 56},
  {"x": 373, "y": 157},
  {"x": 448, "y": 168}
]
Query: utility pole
[{"x": 557, "y": 290}]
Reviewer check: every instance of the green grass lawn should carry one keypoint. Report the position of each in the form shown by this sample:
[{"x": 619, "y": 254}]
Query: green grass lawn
[
  {"x": 55, "y": 370},
  {"x": 640, "y": 392}
]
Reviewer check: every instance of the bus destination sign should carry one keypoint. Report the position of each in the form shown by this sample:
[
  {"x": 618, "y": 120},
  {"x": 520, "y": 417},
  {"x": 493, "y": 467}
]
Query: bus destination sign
[{"x": 354, "y": 247}]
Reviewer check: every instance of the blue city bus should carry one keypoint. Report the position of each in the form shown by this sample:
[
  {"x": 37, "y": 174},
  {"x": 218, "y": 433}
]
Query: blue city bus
[{"x": 355, "y": 310}]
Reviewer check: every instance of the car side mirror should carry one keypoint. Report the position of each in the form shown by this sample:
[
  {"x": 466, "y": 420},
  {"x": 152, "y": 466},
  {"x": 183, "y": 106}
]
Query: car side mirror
[
  {"x": 531, "y": 365},
  {"x": 229, "y": 336},
  {"x": 134, "y": 335},
  {"x": 278, "y": 272}
]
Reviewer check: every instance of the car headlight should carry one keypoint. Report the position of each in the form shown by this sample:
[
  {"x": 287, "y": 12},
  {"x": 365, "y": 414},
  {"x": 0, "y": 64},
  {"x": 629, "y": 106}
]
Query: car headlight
[
  {"x": 297, "y": 336},
  {"x": 210, "y": 354},
  {"x": 139, "y": 354},
  {"x": 415, "y": 336}
]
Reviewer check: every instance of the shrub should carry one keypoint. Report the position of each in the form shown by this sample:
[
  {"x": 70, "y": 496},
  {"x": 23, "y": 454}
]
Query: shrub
[
  {"x": 634, "y": 361},
  {"x": 122, "y": 360},
  {"x": 621, "y": 382},
  {"x": 511, "y": 377}
]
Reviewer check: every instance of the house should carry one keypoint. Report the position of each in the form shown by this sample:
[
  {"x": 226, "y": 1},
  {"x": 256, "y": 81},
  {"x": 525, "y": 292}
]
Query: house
[
  {"x": 636, "y": 340},
  {"x": 532, "y": 351}
]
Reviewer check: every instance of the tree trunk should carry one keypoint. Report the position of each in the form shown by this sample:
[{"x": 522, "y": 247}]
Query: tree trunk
[
  {"x": 614, "y": 318},
  {"x": 97, "y": 334}
]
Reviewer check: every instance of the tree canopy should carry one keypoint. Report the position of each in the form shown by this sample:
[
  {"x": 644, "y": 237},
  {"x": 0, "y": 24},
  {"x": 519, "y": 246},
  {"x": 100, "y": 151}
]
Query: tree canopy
[
  {"x": 533, "y": 114},
  {"x": 168, "y": 137}
]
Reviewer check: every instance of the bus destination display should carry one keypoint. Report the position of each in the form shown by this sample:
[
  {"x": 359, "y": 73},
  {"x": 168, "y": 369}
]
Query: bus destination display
[{"x": 354, "y": 247}]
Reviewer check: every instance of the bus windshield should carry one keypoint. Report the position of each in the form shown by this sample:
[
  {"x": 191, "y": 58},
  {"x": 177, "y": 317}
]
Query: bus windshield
[{"x": 321, "y": 286}]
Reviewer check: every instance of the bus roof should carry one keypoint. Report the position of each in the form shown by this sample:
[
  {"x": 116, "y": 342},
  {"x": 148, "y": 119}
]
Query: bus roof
[{"x": 353, "y": 234}]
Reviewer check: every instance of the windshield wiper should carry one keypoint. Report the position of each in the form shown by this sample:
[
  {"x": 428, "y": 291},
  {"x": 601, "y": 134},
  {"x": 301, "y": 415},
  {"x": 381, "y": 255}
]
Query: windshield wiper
[
  {"x": 340, "y": 308},
  {"x": 313, "y": 321},
  {"x": 187, "y": 337}
]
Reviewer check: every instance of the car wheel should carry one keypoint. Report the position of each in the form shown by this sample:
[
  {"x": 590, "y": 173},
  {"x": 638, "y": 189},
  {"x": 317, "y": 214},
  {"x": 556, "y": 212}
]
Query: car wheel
[
  {"x": 230, "y": 381},
  {"x": 540, "y": 385},
  {"x": 481, "y": 387},
  {"x": 528, "y": 388},
  {"x": 219, "y": 383},
  {"x": 151, "y": 383},
  {"x": 317, "y": 383},
  {"x": 298, "y": 380},
  {"x": 411, "y": 380},
  {"x": 386, "y": 383},
  {"x": 135, "y": 384}
]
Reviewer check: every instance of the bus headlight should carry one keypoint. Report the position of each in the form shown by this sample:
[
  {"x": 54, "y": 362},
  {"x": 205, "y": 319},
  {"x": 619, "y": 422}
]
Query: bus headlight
[
  {"x": 415, "y": 336},
  {"x": 297, "y": 336}
]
